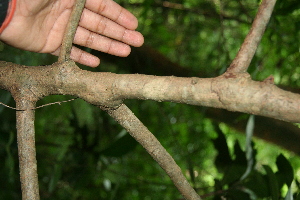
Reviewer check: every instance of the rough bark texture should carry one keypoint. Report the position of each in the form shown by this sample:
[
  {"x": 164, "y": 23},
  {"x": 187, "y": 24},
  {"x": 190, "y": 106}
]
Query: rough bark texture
[
  {"x": 231, "y": 92},
  {"x": 26, "y": 149}
]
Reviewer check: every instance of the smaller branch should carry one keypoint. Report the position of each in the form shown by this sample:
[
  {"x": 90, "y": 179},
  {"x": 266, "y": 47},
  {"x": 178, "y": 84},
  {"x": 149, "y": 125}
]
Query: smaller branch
[
  {"x": 138, "y": 131},
  {"x": 67, "y": 43},
  {"x": 243, "y": 59},
  {"x": 26, "y": 149}
]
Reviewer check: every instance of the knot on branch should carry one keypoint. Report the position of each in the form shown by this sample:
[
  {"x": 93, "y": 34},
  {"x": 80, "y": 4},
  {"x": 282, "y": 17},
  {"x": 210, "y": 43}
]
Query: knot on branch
[{"x": 231, "y": 88}]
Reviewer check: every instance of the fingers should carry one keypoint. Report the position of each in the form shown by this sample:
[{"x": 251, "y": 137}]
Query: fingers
[
  {"x": 84, "y": 58},
  {"x": 81, "y": 57},
  {"x": 92, "y": 40},
  {"x": 104, "y": 26},
  {"x": 113, "y": 11}
]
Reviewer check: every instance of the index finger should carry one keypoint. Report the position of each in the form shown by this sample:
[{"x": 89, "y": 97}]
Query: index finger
[{"x": 113, "y": 11}]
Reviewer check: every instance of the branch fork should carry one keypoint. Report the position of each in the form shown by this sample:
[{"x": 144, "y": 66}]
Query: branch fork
[{"x": 243, "y": 59}]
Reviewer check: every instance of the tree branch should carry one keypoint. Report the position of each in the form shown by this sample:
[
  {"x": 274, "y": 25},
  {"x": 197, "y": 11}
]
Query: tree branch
[
  {"x": 231, "y": 93},
  {"x": 26, "y": 149},
  {"x": 268, "y": 129},
  {"x": 67, "y": 43},
  {"x": 138, "y": 131},
  {"x": 234, "y": 93},
  {"x": 243, "y": 59}
]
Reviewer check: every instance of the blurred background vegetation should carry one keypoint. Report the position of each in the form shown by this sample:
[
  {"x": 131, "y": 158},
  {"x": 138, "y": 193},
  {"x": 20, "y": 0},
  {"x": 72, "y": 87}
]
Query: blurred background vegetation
[{"x": 84, "y": 154}]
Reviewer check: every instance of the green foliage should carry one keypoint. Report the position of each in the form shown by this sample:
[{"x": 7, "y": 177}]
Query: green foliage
[{"x": 258, "y": 184}]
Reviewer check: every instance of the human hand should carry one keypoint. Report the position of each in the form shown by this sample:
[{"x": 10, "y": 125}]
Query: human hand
[{"x": 105, "y": 26}]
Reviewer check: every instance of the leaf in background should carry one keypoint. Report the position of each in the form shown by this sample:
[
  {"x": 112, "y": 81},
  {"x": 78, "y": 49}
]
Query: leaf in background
[
  {"x": 223, "y": 159},
  {"x": 285, "y": 171},
  {"x": 240, "y": 156},
  {"x": 237, "y": 167},
  {"x": 272, "y": 182},
  {"x": 233, "y": 174},
  {"x": 258, "y": 183},
  {"x": 232, "y": 169}
]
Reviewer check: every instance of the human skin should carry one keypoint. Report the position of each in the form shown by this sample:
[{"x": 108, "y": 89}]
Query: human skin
[{"x": 105, "y": 26}]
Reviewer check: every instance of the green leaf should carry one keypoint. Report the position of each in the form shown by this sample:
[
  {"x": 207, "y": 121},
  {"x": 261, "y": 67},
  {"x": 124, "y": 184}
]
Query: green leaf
[
  {"x": 285, "y": 170},
  {"x": 233, "y": 174},
  {"x": 223, "y": 159},
  {"x": 258, "y": 183},
  {"x": 272, "y": 182},
  {"x": 240, "y": 156},
  {"x": 237, "y": 167}
]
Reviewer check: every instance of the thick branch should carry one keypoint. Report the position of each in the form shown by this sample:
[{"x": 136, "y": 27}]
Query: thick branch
[
  {"x": 268, "y": 129},
  {"x": 251, "y": 42},
  {"x": 138, "y": 131},
  {"x": 67, "y": 43},
  {"x": 234, "y": 93},
  {"x": 231, "y": 93}
]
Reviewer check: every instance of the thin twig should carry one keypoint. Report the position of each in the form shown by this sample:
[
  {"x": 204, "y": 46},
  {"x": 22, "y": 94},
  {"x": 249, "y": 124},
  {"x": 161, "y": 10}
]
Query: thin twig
[
  {"x": 243, "y": 59},
  {"x": 67, "y": 43},
  {"x": 48, "y": 104},
  {"x": 138, "y": 131}
]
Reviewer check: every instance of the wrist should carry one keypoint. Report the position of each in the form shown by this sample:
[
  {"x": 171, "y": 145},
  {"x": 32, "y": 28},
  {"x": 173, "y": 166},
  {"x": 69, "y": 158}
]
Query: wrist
[{"x": 7, "y": 8}]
